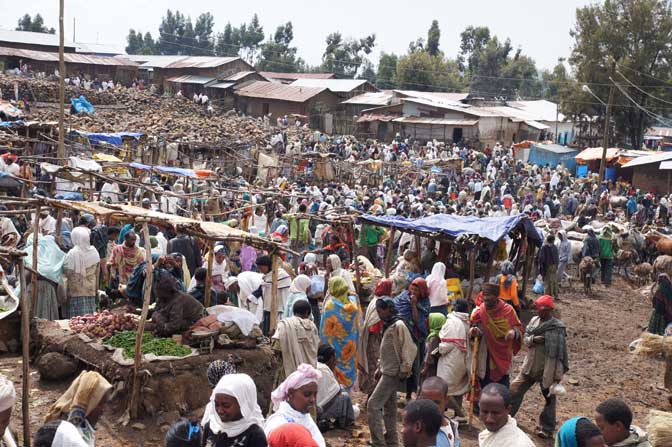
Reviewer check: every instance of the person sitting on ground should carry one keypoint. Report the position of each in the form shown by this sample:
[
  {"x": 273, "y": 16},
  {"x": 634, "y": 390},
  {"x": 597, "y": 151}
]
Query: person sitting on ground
[
  {"x": 198, "y": 292},
  {"x": 83, "y": 404},
  {"x": 436, "y": 390},
  {"x": 579, "y": 432},
  {"x": 233, "y": 417},
  {"x": 334, "y": 405},
  {"x": 7, "y": 401},
  {"x": 293, "y": 400},
  {"x": 63, "y": 434},
  {"x": 184, "y": 433},
  {"x": 175, "y": 311},
  {"x": 614, "y": 418},
  {"x": 501, "y": 430},
  {"x": 421, "y": 424}
]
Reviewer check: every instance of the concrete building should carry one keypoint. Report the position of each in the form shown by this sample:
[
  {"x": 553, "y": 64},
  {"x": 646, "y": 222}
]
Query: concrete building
[{"x": 652, "y": 173}]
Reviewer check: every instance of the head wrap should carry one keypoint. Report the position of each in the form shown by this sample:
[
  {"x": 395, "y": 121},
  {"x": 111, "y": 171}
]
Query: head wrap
[
  {"x": 566, "y": 436},
  {"x": 310, "y": 258},
  {"x": 338, "y": 288},
  {"x": 383, "y": 288},
  {"x": 291, "y": 435},
  {"x": 218, "y": 369},
  {"x": 436, "y": 282},
  {"x": 264, "y": 260},
  {"x": 82, "y": 255},
  {"x": 300, "y": 284},
  {"x": 303, "y": 375},
  {"x": 228, "y": 282},
  {"x": 7, "y": 394},
  {"x": 436, "y": 321},
  {"x": 86, "y": 392},
  {"x": 67, "y": 435},
  {"x": 218, "y": 248},
  {"x": 544, "y": 301},
  {"x": 421, "y": 284},
  {"x": 509, "y": 272},
  {"x": 335, "y": 262},
  {"x": 242, "y": 388}
]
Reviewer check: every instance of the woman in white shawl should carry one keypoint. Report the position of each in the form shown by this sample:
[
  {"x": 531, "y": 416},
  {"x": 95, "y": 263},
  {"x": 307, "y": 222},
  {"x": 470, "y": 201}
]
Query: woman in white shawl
[
  {"x": 233, "y": 417},
  {"x": 81, "y": 267},
  {"x": 298, "y": 291},
  {"x": 455, "y": 354},
  {"x": 335, "y": 269},
  {"x": 244, "y": 285},
  {"x": 438, "y": 291},
  {"x": 293, "y": 400}
]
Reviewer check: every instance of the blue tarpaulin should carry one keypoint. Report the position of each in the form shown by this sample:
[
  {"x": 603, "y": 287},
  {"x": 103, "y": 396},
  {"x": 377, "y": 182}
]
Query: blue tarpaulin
[
  {"x": 140, "y": 166},
  {"x": 81, "y": 105},
  {"x": 114, "y": 138},
  {"x": 493, "y": 228},
  {"x": 11, "y": 123},
  {"x": 165, "y": 170}
]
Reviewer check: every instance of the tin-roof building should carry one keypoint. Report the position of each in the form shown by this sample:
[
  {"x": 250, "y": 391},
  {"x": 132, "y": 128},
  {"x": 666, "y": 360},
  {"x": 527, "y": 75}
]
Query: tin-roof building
[
  {"x": 27, "y": 40},
  {"x": 344, "y": 88}
]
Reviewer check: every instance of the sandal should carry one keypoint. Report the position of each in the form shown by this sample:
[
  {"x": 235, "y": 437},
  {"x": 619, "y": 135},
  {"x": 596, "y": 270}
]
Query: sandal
[{"x": 544, "y": 434}]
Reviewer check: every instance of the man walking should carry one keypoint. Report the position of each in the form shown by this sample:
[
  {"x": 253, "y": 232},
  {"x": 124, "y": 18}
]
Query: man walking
[
  {"x": 548, "y": 266},
  {"x": 546, "y": 362}
]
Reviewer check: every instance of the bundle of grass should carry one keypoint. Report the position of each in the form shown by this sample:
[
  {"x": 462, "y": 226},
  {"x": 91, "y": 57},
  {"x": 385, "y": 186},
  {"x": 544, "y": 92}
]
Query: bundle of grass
[
  {"x": 660, "y": 428},
  {"x": 654, "y": 345}
]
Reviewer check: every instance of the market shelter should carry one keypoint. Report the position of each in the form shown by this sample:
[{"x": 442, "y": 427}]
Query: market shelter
[
  {"x": 590, "y": 158},
  {"x": 652, "y": 173}
]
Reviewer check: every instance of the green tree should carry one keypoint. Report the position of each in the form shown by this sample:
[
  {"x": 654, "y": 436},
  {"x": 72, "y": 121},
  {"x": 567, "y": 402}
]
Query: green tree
[
  {"x": 203, "y": 33},
  {"x": 632, "y": 37},
  {"x": 277, "y": 54},
  {"x": 139, "y": 44},
  {"x": 171, "y": 33},
  {"x": 387, "y": 69},
  {"x": 149, "y": 46},
  {"x": 368, "y": 72},
  {"x": 251, "y": 36},
  {"x": 554, "y": 82},
  {"x": 520, "y": 77},
  {"x": 345, "y": 56},
  {"x": 418, "y": 70},
  {"x": 433, "y": 37},
  {"x": 34, "y": 24},
  {"x": 228, "y": 42}
]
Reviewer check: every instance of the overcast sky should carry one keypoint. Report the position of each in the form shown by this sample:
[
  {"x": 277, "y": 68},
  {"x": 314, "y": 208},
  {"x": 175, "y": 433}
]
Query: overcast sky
[{"x": 540, "y": 28}]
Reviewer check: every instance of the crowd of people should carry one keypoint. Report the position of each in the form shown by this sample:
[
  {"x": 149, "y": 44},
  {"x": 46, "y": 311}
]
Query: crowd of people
[{"x": 416, "y": 332}]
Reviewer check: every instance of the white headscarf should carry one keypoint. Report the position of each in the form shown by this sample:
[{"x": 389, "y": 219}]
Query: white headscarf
[
  {"x": 67, "y": 435},
  {"x": 7, "y": 394},
  {"x": 82, "y": 255},
  {"x": 436, "y": 283},
  {"x": 300, "y": 284},
  {"x": 242, "y": 388},
  {"x": 310, "y": 258}
]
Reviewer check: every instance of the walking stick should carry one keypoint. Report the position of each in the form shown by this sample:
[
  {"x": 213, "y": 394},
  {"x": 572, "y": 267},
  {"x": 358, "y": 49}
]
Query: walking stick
[{"x": 474, "y": 374}]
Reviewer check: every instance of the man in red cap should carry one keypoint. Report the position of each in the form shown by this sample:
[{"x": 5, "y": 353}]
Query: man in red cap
[{"x": 546, "y": 362}]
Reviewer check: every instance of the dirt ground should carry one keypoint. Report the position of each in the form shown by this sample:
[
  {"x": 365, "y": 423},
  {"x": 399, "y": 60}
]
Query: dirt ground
[{"x": 600, "y": 328}]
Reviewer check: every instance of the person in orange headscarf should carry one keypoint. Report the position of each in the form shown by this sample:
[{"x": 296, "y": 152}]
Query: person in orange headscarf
[{"x": 497, "y": 323}]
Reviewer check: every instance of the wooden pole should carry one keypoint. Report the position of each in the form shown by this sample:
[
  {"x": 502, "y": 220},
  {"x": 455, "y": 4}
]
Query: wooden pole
[
  {"x": 358, "y": 274},
  {"x": 607, "y": 119},
  {"x": 529, "y": 256},
  {"x": 61, "y": 82},
  {"x": 141, "y": 323},
  {"x": 274, "y": 293},
  {"x": 474, "y": 375},
  {"x": 472, "y": 271},
  {"x": 36, "y": 234},
  {"x": 59, "y": 225},
  {"x": 25, "y": 352},
  {"x": 388, "y": 255},
  {"x": 208, "y": 277}
]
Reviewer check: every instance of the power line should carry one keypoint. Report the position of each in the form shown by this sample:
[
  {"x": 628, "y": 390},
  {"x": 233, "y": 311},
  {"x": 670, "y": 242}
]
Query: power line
[{"x": 642, "y": 91}]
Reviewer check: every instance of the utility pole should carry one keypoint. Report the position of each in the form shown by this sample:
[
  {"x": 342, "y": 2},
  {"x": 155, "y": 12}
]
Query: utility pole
[
  {"x": 61, "y": 84},
  {"x": 607, "y": 119},
  {"x": 74, "y": 27},
  {"x": 557, "y": 115}
]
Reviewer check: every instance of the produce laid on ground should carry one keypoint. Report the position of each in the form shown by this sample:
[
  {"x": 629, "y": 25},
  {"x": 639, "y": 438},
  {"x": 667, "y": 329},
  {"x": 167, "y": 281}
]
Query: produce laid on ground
[
  {"x": 150, "y": 345},
  {"x": 103, "y": 324}
]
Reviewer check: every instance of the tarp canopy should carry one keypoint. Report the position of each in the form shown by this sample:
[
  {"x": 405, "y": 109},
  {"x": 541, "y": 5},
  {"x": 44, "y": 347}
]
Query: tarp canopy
[
  {"x": 595, "y": 153},
  {"x": 453, "y": 226},
  {"x": 115, "y": 138}
]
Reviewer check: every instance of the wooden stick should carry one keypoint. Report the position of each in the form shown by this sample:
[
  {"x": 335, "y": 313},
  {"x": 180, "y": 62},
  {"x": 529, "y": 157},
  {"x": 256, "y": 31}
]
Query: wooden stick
[
  {"x": 388, "y": 255},
  {"x": 59, "y": 226},
  {"x": 141, "y": 323},
  {"x": 472, "y": 271},
  {"x": 208, "y": 277},
  {"x": 36, "y": 235},
  {"x": 474, "y": 375},
  {"x": 274, "y": 293},
  {"x": 25, "y": 353},
  {"x": 358, "y": 275}
]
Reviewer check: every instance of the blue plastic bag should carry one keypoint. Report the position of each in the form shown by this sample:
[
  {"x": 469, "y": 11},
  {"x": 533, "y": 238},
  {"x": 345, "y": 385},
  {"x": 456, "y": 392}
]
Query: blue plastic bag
[{"x": 538, "y": 286}]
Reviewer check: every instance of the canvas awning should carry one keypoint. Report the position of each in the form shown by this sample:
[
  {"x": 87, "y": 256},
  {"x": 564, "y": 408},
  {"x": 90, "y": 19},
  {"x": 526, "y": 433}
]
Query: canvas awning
[{"x": 595, "y": 153}]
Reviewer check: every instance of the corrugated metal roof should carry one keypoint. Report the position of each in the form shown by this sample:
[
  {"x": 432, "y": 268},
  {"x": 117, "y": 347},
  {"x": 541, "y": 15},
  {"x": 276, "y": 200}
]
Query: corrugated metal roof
[
  {"x": 371, "y": 99},
  {"x": 282, "y": 92},
  {"x": 335, "y": 85},
  {"x": 71, "y": 58},
  {"x": 295, "y": 76},
  {"x": 100, "y": 48},
  {"x": 201, "y": 62},
  {"x": 462, "y": 108},
  {"x": 191, "y": 79},
  {"x": 595, "y": 153},
  {"x": 655, "y": 157},
  {"x": 222, "y": 85},
  {"x": 150, "y": 61},
  {"x": 536, "y": 124},
  {"x": 439, "y": 97},
  {"x": 435, "y": 121},
  {"x": 376, "y": 117},
  {"x": 555, "y": 148},
  {"x": 238, "y": 76},
  {"x": 539, "y": 110},
  {"x": 666, "y": 165},
  {"x": 658, "y": 132},
  {"x": 31, "y": 38}
]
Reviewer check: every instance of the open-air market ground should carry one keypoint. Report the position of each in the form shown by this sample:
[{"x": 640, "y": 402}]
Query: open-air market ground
[{"x": 600, "y": 328}]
